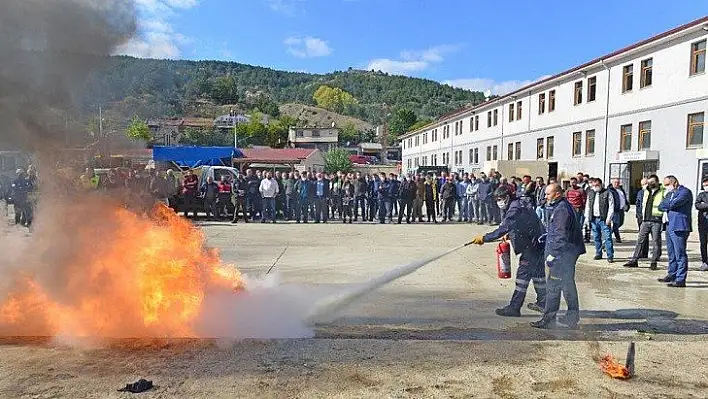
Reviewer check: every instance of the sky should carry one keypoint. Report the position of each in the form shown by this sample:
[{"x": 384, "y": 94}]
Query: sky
[{"x": 490, "y": 46}]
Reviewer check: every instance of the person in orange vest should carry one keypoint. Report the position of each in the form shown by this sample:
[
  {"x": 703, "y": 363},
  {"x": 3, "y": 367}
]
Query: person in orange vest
[
  {"x": 224, "y": 197},
  {"x": 190, "y": 189}
]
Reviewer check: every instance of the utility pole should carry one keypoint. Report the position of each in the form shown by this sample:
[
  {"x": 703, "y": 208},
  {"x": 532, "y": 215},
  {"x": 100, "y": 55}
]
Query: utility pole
[{"x": 384, "y": 134}]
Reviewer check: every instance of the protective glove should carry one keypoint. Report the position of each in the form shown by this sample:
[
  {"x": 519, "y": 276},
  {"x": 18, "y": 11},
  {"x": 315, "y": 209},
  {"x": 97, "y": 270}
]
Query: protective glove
[
  {"x": 479, "y": 240},
  {"x": 549, "y": 260},
  {"x": 542, "y": 239}
]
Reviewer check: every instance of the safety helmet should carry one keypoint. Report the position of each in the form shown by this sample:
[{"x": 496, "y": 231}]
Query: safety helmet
[{"x": 504, "y": 193}]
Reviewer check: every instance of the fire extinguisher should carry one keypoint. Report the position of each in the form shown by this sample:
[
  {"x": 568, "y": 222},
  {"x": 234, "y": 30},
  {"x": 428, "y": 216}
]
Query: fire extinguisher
[{"x": 504, "y": 260}]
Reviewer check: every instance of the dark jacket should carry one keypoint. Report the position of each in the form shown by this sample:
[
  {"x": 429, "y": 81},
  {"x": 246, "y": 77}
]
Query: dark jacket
[
  {"x": 638, "y": 205},
  {"x": 384, "y": 190},
  {"x": 325, "y": 188},
  {"x": 361, "y": 187},
  {"x": 540, "y": 195},
  {"x": 394, "y": 188},
  {"x": 20, "y": 189},
  {"x": 373, "y": 188},
  {"x": 522, "y": 224},
  {"x": 702, "y": 207},
  {"x": 210, "y": 191},
  {"x": 529, "y": 192},
  {"x": 253, "y": 185},
  {"x": 190, "y": 184},
  {"x": 407, "y": 190},
  {"x": 484, "y": 190},
  {"x": 289, "y": 186},
  {"x": 448, "y": 191},
  {"x": 303, "y": 189},
  {"x": 677, "y": 204},
  {"x": 604, "y": 197},
  {"x": 565, "y": 235},
  {"x": 348, "y": 191}
]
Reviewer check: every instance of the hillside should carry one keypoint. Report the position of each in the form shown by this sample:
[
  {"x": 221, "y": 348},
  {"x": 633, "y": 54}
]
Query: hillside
[
  {"x": 308, "y": 115},
  {"x": 150, "y": 88}
]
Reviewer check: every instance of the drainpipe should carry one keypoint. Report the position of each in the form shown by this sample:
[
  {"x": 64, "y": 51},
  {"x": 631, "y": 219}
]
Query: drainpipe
[
  {"x": 503, "y": 118},
  {"x": 607, "y": 122}
]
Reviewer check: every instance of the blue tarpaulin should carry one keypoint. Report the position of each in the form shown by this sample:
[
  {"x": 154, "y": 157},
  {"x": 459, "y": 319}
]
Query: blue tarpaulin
[{"x": 196, "y": 156}]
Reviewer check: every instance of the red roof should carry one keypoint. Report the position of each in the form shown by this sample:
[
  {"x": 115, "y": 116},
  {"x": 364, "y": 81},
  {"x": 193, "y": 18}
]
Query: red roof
[{"x": 277, "y": 154}]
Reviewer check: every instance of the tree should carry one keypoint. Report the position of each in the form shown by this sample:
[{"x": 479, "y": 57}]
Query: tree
[
  {"x": 401, "y": 121},
  {"x": 337, "y": 160},
  {"x": 207, "y": 137},
  {"x": 225, "y": 90},
  {"x": 420, "y": 124},
  {"x": 333, "y": 98},
  {"x": 138, "y": 130},
  {"x": 349, "y": 133}
]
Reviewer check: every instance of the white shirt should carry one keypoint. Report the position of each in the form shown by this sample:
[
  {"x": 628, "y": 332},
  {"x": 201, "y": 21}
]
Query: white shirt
[{"x": 268, "y": 188}]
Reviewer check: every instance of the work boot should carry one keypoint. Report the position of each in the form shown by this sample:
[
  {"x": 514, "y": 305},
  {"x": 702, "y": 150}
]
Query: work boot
[
  {"x": 631, "y": 263},
  {"x": 597, "y": 257},
  {"x": 544, "y": 324},
  {"x": 665, "y": 279},
  {"x": 508, "y": 311},
  {"x": 704, "y": 267},
  {"x": 535, "y": 307},
  {"x": 677, "y": 284},
  {"x": 653, "y": 266}
]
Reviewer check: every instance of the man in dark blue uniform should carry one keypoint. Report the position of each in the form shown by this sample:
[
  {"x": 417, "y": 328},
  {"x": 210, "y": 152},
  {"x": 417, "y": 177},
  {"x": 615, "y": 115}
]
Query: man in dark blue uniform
[
  {"x": 20, "y": 192},
  {"x": 524, "y": 229},
  {"x": 564, "y": 244}
]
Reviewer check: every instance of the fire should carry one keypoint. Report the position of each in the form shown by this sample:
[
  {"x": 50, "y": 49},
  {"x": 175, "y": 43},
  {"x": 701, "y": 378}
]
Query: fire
[
  {"x": 105, "y": 271},
  {"x": 611, "y": 367}
]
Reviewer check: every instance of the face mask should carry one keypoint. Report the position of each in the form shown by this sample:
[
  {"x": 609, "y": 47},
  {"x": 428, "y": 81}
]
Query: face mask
[
  {"x": 669, "y": 188},
  {"x": 645, "y": 186},
  {"x": 596, "y": 189},
  {"x": 553, "y": 201},
  {"x": 502, "y": 204},
  {"x": 705, "y": 188}
]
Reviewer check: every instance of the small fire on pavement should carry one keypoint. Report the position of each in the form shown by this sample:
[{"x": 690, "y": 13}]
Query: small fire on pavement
[{"x": 611, "y": 367}]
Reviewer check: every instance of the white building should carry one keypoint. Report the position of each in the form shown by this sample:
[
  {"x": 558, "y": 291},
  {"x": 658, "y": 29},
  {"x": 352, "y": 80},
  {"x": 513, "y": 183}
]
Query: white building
[{"x": 636, "y": 111}]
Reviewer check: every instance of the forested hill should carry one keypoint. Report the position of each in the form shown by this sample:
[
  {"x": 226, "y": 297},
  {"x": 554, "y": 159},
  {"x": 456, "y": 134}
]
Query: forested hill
[{"x": 150, "y": 88}]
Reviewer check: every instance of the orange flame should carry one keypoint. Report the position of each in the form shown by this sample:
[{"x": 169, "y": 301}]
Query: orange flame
[
  {"x": 611, "y": 367},
  {"x": 142, "y": 277}
]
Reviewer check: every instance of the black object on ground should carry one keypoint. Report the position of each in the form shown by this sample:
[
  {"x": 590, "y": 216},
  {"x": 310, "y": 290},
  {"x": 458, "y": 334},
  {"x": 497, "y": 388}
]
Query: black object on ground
[{"x": 140, "y": 385}]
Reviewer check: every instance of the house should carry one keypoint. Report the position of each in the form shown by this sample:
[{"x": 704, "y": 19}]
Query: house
[
  {"x": 301, "y": 159},
  {"x": 634, "y": 112},
  {"x": 322, "y": 138},
  {"x": 168, "y": 131}
]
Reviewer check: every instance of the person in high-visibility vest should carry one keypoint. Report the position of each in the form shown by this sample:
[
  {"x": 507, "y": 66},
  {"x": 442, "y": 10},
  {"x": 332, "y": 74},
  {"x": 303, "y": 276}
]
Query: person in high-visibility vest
[
  {"x": 651, "y": 223},
  {"x": 89, "y": 180}
]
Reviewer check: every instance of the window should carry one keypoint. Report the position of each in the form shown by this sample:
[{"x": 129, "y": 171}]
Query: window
[
  {"x": 551, "y": 101},
  {"x": 425, "y": 160},
  {"x": 476, "y": 122},
  {"x": 510, "y": 151},
  {"x": 578, "y": 93},
  {"x": 299, "y": 133},
  {"x": 471, "y": 124},
  {"x": 698, "y": 57},
  {"x": 489, "y": 119},
  {"x": 455, "y": 157},
  {"x": 590, "y": 142},
  {"x": 627, "y": 78},
  {"x": 645, "y": 79},
  {"x": 489, "y": 153},
  {"x": 435, "y": 159},
  {"x": 695, "y": 130},
  {"x": 444, "y": 158},
  {"x": 457, "y": 127},
  {"x": 550, "y": 146},
  {"x": 471, "y": 156},
  {"x": 577, "y": 143},
  {"x": 410, "y": 143},
  {"x": 495, "y": 153},
  {"x": 315, "y": 133},
  {"x": 518, "y": 150},
  {"x": 511, "y": 112},
  {"x": 417, "y": 163},
  {"x": 435, "y": 135},
  {"x": 626, "y": 138},
  {"x": 592, "y": 88},
  {"x": 541, "y": 103},
  {"x": 518, "y": 110},
  {"x": 425, "y": 138},
  {"x": 417, "y": 141},
  {"x": 476, "y": 155},
  {"x": 495, "y": 117},
  {"x": 410, "y": 163},
  {"x": 644, "y": 135},
  {"x": 539, "y": 148}
]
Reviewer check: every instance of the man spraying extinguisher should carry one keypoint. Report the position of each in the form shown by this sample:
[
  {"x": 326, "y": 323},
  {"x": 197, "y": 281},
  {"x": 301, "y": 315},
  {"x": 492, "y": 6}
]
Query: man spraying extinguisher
[{"x": 523, "y": 229}]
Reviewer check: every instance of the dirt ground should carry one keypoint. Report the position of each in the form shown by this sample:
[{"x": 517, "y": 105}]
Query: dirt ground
[{"x": 429, "y": 334}]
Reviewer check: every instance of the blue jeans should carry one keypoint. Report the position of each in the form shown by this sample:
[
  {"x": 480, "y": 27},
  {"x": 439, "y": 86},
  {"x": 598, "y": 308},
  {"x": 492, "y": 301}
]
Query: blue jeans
[
  {"x": 678, "y": 259},
  {"x": 561, "y": 280},
  {"x": 384, "y": 209},
  {"x": 483, "y": 211},
  {"x": 268, "y": 209},
  {"x": 600, "y": 232},
  {"x": 540, "y": 212}
]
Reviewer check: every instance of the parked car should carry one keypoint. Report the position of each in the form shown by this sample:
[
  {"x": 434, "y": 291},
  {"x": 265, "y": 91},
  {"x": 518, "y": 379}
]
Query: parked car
[{"x": 364, "y": 159}]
